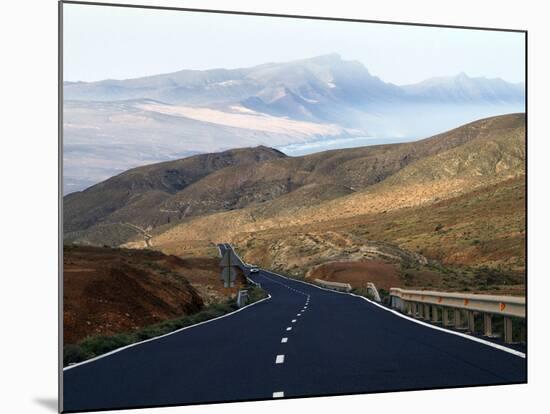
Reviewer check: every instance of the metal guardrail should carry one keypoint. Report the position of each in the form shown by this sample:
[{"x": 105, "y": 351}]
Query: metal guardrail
[
  {"x": 242, "y": 298},
  {"x": 428, "y": 305},
  {"x": 373, "y": 292},
  {"x": 230, "y": 261},
  {"x": 345, "y": 287}
]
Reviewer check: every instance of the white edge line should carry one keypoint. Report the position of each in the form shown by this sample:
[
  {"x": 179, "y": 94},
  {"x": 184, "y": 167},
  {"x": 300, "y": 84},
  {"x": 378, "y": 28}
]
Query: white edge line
[
  {"x": 396, "y": 313},
  {"x": 114, "y": 351},
  {"x": 161, "y": 336},
  {"x": 463, "y": 335}
]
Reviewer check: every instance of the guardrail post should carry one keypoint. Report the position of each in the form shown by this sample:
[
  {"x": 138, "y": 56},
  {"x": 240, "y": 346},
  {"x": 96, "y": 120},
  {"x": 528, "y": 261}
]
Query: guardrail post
[
  {"x": 435, "y": 314},
  {"x": 507, "y": 330},
  {"x": 445, "y": 317},
  {"x": 242, "y": 298},
  {"x": 487, "y": 324},
  {"x": 426, "y": 312},
  {"x": 461, "y": 310},
  {"x": 457, "y": 318},
  {"x": 471, "y": 321}
]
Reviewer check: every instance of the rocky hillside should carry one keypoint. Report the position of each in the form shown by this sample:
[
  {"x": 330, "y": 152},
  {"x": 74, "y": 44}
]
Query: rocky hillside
[
  {"x": 454, "y": 200},
  {"x": 350, "y": 183},
  {"x": 117, "y": 209},
  {"x": 108, "y": 291},
  {"x": 447, "y": 244},
  {"x": 155, "y": 198}
]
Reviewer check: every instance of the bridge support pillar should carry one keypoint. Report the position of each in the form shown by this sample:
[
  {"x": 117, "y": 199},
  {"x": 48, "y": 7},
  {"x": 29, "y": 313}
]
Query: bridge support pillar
[
  {"x": 507, "y": 330},
  {"x": 488, "y": 324},
  {"x": 435, "y": 314},
  {"x": 445, "y": 317},
  {"x": 420, "y": 310},
  {"x": 471, "y": 321}
]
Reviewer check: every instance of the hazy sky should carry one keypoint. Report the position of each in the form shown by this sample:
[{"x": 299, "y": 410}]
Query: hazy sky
[{"x": 112, "y": 42}]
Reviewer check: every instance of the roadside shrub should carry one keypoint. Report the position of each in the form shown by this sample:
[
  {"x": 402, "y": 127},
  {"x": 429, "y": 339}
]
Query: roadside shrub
[
  {"x": 97, "y": 345},
  {"x": 74, "y": 353}
]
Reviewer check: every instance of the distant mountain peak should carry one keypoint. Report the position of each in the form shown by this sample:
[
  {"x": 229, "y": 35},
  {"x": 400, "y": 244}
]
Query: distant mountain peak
[
  {"x": 327, "y": 58},
  {"x": 462, "y": 77}
]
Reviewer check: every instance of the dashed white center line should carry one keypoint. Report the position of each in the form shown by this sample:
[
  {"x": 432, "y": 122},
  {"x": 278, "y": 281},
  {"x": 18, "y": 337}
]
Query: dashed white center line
[
  {"x": 284, "y": 340},
  {"x": 298, "y": 314},
  {"x": 278, "y": 394},
  {"x": 289, "y": 328},
  {"x": 280, "y": 359},
  {"x": 293, "y": 320}
]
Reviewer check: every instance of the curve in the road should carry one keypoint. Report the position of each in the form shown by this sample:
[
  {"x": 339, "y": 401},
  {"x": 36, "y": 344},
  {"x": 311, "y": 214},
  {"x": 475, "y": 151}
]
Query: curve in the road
[{"x": 303, "y": 341}]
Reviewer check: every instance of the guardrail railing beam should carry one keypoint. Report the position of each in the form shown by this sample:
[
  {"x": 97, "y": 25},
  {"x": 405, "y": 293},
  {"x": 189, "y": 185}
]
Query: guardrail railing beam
[
  {"x": 345, "y": 287},
  {"x": 427, "y": 305},
  {"x": 494, "y": 304}
]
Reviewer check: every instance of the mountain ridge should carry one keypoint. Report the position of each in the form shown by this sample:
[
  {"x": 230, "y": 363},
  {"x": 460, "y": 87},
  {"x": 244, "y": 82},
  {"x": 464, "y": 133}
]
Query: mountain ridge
[
  {"x": 321, "y": 68},
  {"x": 172, "y": 197},
  {"x": 112, "y": 125}
]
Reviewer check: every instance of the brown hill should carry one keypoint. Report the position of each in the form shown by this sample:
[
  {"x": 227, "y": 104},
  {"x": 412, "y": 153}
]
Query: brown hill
[
  {"x": 493, "y": 152},
  {"x": 472, "y": 192},
  {"x": 108, "y": 212},
  {"x": 155, "y": 197},
  {"x": 460, "y": 236},
  {"x": 107, "y": 291}
]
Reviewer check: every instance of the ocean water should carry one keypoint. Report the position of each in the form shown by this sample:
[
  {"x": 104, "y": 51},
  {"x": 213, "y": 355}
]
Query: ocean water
[
  {"x": 304, "y": 148},
  {"x": 403, "y": 123}
]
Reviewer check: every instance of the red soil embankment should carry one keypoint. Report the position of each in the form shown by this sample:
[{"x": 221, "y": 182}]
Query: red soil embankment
[
  {"x": 108, "y": 291},
  {"x": 358, "y": 273}
]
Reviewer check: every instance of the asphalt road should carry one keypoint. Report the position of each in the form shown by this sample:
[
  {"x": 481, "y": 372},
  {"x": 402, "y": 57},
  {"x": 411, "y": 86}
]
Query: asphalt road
[{"x": 303, "y": 341}]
